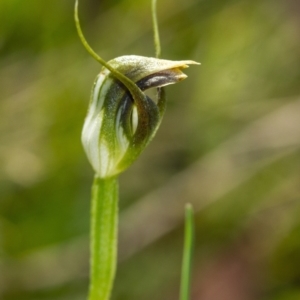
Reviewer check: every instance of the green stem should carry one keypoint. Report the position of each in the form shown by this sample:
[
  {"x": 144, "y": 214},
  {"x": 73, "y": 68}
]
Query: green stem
[
  {"x": 134, "y": 90},
  {"x": 161, "y": 94},
  {"x": 155, "y": 30},
  {"x": 104, "y": 223},
  {"x": 187, "y": 253}
]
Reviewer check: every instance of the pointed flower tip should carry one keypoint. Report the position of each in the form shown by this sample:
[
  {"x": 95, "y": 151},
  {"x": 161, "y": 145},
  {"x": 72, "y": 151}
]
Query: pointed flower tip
[
  {"x": 178, "y": 75},
  {"x": 136, "y": 67},
  {"x": 181, "y": 77},
  {"x": 186, "y": 63}
]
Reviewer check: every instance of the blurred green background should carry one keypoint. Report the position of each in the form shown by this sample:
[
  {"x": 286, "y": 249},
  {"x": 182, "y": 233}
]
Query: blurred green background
[{"x": 229, "y": 144}]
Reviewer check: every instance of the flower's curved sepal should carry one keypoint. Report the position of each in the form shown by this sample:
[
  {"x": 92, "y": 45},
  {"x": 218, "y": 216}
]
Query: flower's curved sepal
[{"x": 119, "y": 124}]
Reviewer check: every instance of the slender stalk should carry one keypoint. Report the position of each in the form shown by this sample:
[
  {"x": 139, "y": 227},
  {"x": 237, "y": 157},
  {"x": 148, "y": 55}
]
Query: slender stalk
[
  {"x": 155, "y": 30},
  {"x": 104, "y": 223},
  {"x": 131, "y": 86},
  {"x": 161, "y": 94},
  {"x": 187, "y": 253}
]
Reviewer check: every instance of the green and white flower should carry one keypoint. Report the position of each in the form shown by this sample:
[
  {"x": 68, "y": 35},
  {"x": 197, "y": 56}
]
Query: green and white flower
[{"x": 121, "y": 120}]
